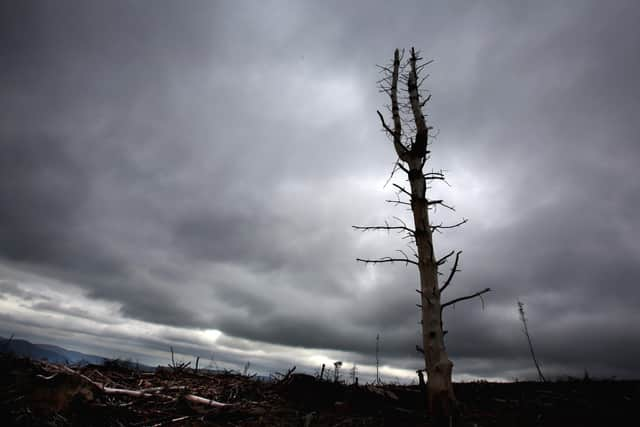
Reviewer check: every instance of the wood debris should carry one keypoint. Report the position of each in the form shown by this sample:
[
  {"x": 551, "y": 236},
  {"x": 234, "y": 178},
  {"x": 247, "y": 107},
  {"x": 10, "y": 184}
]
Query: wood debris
[{"x": 34, "y": 393}]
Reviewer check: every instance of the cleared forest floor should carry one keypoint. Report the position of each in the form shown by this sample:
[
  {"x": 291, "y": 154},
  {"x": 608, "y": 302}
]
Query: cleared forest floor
[{"x": 34, "y": 393}]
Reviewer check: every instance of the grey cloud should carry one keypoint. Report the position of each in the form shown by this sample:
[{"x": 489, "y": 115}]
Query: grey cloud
[
  {"x": 10, "y": 287},
  {"x": 68, "y": 310},
  {"x": 42, "y": 194},
  {"x": 162, "y": 306},
  {"x": 201, "y": 166}
]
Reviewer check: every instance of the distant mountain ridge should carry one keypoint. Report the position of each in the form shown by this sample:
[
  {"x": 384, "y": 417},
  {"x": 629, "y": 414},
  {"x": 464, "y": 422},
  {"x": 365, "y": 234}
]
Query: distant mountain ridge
[
  {"x": 48, "y": 352},
  {"x": 59, "y": 355}
]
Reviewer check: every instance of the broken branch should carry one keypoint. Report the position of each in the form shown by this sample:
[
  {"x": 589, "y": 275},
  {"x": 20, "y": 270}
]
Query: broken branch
[
  {"x": 402, "y": 189},
  {"x": 477, "y": 294},
  {"x": 440, "y": 226},
  {"x": 383, "y": 227},
  {"x": 441, "y": 203},
  {"x": 454, "y": 270},
  {"x": 444, "y": 258},
  {"x": 384, "y": 124},
  {"x": 138, "y": 393},
  {"x": 398, "y": 202},
  {"x": 386, "y": 260}
]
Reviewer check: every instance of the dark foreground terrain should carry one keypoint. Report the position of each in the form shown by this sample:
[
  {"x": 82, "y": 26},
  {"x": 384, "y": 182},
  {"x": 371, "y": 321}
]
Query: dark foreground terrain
[{"x": 36, "y": 393}]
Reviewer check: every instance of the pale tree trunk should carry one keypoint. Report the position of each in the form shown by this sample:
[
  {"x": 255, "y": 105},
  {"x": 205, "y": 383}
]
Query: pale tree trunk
[{"x": 438, "y": 366}]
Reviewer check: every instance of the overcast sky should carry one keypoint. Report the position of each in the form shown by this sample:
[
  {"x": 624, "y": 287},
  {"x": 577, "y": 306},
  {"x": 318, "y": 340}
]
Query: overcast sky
[{"x": 187, "y": 174}]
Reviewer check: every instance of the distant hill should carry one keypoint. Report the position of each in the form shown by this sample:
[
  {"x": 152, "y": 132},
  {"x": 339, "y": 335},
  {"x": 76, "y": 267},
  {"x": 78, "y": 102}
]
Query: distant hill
[
  {"x": 74, "y": 356},
  {"x": 50, "y": 353}
]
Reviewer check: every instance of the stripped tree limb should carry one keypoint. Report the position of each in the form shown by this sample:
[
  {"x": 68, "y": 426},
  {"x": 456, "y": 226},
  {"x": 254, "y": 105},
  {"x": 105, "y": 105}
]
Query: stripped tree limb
[
  {"x": 171, "y": 421},
  {"x": 205, "y": 401},
  {"x": 453, "y": 271},
  {"x": 405, "y": 170},
  {"x": 159, "y": 389},
  {"x": 477, "y": 294},
  {"x": 384, "y": 124},
  {"x": 444, "y": 258},
  {"x": 382, "y": 227},
  {"x": 402, "y": 151},
  {"x": 441, "y": 203},
  {"x": 138, "y": 393},
  {"x": 442, "y": 227},
  {"x": 398, "y": 202},
  {"x": 393, "y": 172},
  {"x": 402, "y": 189},
  {"x": 387, "y": 260}
]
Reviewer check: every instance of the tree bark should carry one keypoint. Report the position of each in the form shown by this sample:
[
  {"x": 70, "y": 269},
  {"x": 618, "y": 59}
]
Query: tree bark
[{"x": 438, "y": 366}]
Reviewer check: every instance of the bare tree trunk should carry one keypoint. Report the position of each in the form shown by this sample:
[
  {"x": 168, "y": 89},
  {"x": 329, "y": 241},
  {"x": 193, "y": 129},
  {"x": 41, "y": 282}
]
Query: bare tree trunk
[
  {"x": 412, "y": 154},
  {"x": 438, "y": 366}
]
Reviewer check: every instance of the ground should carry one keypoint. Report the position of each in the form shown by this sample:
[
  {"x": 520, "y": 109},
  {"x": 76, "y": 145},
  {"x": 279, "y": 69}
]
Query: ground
[{"x": 36, "y": 393}]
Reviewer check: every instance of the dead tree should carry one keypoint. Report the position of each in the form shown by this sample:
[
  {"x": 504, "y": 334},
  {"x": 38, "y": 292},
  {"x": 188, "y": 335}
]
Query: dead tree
[
  {"x": 336, "y": 371},
  {"x": 409, "y": 132},
  {"x": 378, "y": 359},
  {"x": 525, "y": 330}
]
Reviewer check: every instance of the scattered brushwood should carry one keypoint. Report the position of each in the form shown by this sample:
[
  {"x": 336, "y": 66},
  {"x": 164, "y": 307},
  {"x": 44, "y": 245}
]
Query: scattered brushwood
[
  {"x": 34, "y": 393},
  {"x": 179, "y": 366},
  {"x": 283, "y": 378},
  {"x": 40, "y": 393}
]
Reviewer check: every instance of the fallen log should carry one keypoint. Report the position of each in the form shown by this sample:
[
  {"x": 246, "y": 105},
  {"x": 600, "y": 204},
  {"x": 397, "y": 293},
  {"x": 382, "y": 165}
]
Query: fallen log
[{"x": 142, "y": 393}]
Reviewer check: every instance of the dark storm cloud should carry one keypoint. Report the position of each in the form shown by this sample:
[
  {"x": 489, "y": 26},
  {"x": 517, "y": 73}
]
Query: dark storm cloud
[
  {"x": 43, "y": 194},
  {"x": 41, "y": 191},
  {"x": 201, "y": 166}
]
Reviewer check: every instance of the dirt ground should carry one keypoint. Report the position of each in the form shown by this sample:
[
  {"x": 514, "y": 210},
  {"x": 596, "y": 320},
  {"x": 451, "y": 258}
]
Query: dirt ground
[{"x": 36, "y": 393}]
